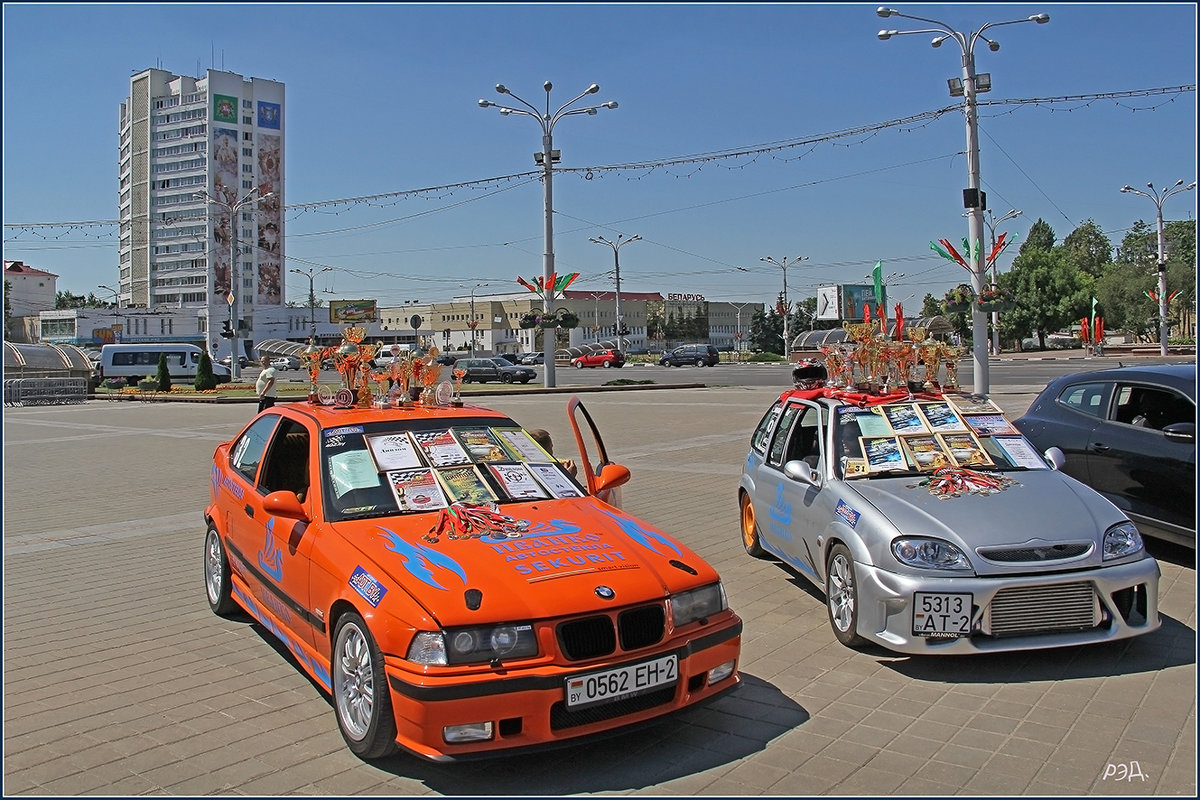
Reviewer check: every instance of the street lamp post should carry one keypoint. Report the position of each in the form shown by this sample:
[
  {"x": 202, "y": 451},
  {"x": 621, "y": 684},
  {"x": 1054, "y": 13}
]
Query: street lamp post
[
  {"x": 991, "y": 220},
  {"x": 787, "y": 307},
  {"x": 1158, "y": 197},
  {"x": 739, "y": 337},
  {"x": 235, "y": 369},
  {"x": 116, "y": 294},
  {"x": 973, "y": 198},
  {"x": 312, "y": 298},
  {"x": 616, "y": 248},
  {"x": 546, "y": 159},
  {"x": 472, "y": 324}
]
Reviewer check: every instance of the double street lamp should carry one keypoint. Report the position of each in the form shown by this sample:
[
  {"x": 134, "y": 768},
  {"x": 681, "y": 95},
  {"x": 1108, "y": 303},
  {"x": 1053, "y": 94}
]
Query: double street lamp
[
  {"x": 787, "y": 307},
  {"x": 1158, "y": 197},
  {"x": 312, "y": 298},
  {"x": 616, "y": 247},
  {"x": 473, "y": 323},
  {"x": 973, "y": 198},
  {"x": 232, "y": 208},
  {"x": 545, "y": 160}
]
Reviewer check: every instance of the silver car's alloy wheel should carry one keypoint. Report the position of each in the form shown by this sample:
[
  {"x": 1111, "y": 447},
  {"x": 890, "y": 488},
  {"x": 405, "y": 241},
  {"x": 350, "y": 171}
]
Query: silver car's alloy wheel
[
  {"x": 360, "y": 693},
  {"x": 841, "y": 594}
]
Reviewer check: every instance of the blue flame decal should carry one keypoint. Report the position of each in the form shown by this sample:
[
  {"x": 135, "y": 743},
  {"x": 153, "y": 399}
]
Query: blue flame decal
[
  {"x": 642, "y": 535},
  {"x": 418, "y": 559},
  {"x": 270, "y": 557},
  {"x": 559, "y": 526}
]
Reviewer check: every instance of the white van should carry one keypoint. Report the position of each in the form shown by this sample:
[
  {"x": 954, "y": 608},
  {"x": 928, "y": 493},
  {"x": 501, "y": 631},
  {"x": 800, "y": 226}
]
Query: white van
[{"x": 138, "y": 361}]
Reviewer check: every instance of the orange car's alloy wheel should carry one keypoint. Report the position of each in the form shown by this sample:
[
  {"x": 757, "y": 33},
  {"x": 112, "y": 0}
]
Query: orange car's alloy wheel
[
  {"x": 364, "y": 710},
  {"x": 217, "y": 587}
]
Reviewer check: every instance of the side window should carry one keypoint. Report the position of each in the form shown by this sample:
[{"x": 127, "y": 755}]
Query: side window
[
  {"x": 1152, "y": 407},
  {"x": 1086, "y": 398},
  {"x": 790, "y": 414},
  {"x": 248, "y": 450},
  {"x": 762, "y": 434},
  {"x": 287, "y": 461}
]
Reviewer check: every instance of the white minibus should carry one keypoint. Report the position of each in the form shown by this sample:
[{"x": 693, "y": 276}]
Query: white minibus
[{"x": 136, "y": 361}]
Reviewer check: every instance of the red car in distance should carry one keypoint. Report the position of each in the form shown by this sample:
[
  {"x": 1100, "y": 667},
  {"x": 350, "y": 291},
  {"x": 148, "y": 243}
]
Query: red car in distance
[{"x": 599, "y": 358}]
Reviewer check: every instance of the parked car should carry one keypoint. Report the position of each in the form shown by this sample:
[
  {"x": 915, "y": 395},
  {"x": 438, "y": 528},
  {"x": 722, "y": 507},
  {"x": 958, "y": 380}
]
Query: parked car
[
  {"x": 1130, "y": 434},
  {"x": 242, "y": 361},
  {"x": 534, "y": 359},
  {"x": 493, "y": 369},
  {"x": 512, "y": 358},
  {"x": 366, "y": 542},
  {"x": 599, "y": 358},
  {"x": 700, "y": 355},
  {"x": 448, "y": 359},
  {"x": 285, "y": 362},
  {"x": 933, "y": 526}
]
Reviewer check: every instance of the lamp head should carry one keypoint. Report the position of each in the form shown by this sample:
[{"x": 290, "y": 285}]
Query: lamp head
[
  {"x": 484, "y": 103},
  {"x": 595, "y": 87},
  {"x": 885, "y": 35},
  {"x": 1040, "y": 19},
  {"x": 1126, "y": 188},
  {"x": 609, "y": 104},
  {"x": 1149, "y": 185},
  {"x": 501, "y": 88},
  {"x": 938, "y": 41},
  {"x": 884, "y": 11},
  {"x": 547, "y": 86},
  {"x": 993, "y": 46}
]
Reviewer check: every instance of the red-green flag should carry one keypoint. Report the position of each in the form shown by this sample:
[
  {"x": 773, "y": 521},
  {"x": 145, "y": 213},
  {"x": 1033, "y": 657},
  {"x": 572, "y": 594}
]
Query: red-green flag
[
  {"x": 878, "y": 276},
  {"x": 940, "y": 251}
]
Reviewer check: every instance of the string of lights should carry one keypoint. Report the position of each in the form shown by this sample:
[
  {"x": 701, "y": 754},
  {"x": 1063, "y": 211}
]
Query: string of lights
[{"x": 746, "y": 155}]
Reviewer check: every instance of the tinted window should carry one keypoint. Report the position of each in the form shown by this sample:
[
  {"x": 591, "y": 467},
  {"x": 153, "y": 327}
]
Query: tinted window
[
  {"x": 1151, "y": 407},
  {"x": 248, "y": 450},
  {"x": 781, "y": 435},
  {"x": 1087, "y": 398},
  {"x": 763, "y": 432}
]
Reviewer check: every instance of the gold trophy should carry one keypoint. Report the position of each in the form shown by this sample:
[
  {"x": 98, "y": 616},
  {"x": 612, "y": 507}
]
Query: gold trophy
[
  {"x": 951, "y": 354},
  {"x": 311, "y": 357},
  {"x": 459, "y": 373}
]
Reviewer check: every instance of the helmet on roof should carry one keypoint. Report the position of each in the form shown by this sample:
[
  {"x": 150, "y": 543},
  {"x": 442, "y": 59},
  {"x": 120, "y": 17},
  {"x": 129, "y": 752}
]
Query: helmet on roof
[{"x": 809, "y": 373}]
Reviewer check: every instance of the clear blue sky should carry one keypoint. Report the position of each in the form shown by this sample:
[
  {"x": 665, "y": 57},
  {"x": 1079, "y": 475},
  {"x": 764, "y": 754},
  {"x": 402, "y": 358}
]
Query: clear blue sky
[{"x": 383, "y": 98}]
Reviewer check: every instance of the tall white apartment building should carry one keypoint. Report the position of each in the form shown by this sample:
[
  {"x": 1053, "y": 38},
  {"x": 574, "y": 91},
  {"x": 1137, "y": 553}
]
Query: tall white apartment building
[{"x": 193, "y": 150}]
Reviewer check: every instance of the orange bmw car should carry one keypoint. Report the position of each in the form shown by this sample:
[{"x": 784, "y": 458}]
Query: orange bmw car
[{"x": 456, "y": 590}]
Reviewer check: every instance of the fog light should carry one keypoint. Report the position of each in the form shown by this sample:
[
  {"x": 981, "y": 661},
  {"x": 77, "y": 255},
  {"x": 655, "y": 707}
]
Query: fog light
[
  {"x": 720, "y": 673},
  {"x": 471, "y": 732}
]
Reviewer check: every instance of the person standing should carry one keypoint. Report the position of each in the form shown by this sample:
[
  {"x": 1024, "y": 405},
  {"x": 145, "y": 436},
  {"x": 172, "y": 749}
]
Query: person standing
[{"x": 265, "y": 385}]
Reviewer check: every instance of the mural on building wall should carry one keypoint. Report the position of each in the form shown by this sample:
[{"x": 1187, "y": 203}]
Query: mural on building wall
[
  {"x": 268, "y": 115},
  {"x": 224, "y": 108},
  {"x": 224, "y": 188},
  {"x": 270, "y": 263}
]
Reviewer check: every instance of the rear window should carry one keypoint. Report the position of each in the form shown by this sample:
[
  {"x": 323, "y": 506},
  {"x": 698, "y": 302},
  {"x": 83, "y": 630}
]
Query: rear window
[{"x": 1086, "y": 398}]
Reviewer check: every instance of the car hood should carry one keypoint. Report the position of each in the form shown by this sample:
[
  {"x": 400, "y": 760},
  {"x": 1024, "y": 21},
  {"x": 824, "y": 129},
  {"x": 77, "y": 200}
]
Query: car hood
[
  {"x": 570, "y": 549},
  {"x": 1044, "y": 507}
]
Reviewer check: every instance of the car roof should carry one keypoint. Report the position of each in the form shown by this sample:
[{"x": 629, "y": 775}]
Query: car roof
[
  {"x": 328, "y": 417},
  {"x": 1180, "y": 376}
]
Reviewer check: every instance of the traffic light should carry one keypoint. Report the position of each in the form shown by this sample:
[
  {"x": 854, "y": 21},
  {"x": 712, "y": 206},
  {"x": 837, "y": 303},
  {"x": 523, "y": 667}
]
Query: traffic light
[{"x": 227, "y": 333}]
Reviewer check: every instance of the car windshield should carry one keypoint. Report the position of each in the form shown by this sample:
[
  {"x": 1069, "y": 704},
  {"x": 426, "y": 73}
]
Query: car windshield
[
  {"x": 389, "y": 468},
  {"x": 912, "y": 438},
  {"x": 501, "y": 362}
]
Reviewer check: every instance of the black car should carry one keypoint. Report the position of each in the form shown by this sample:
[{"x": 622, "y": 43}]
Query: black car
[
  {"x": 1130, "y": 434},
  {"x": 493, "y": 369},
  {"x": 702, "y": 355}
]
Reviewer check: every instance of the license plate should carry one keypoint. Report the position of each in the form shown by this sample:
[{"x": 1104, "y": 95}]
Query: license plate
[
  {"x": 614, "y": 684},
  {"x": 941, "y": 614}
]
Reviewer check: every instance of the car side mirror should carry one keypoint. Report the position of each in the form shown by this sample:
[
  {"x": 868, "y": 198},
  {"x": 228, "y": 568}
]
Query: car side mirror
[
  {"x": 285, "y": 504},
  {"x": 611, "y": 476},
  {"x": 1181, "y": 432},
  {"x": 801, "y": 472},
  {"x": 1055, "y": 458}
]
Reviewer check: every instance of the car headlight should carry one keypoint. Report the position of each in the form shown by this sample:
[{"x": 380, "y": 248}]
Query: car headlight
[
  {"x": 697, "y": 604},
  {"x": 1122, "y": 540},
  {"x": 473, "y": 645},
  {"x": 923, "y": 553}
]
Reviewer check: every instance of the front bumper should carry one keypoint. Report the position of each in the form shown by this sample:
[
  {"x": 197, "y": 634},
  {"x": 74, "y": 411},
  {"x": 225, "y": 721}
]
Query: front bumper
[
  {"x": 527, "y": 707},
  {"x": 1125, "y": 597}
]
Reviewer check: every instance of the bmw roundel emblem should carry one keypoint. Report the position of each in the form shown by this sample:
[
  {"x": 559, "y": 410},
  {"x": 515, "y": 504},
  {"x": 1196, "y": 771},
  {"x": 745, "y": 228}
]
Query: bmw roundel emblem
[{"x": 605, "y": 593}]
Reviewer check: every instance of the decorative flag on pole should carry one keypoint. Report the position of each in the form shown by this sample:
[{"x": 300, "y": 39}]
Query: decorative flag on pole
[
  {"x": 935, "y": 247},
  {"x": 1083, "y": 330},
  {"x": 878, "y": 276},
  {"x": 899, "y": 322},
  {"x": 1098, "y": 329},
  {"x": 1001, "y": 246},
  {"x": 557, "y": 285},
  {"x": 954, "y": 254},
  {"x": 866, "y": 312}
]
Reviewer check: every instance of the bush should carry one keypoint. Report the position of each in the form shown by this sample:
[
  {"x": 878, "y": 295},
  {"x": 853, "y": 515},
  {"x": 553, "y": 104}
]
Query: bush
[
  {"x": 628, "y": 382},
  {"x": 163, "y": 379},
  {"x": 766, "y": 357},
  {"x": 147, "y": 385},
  {"x": 205, "y": 380},
  {"x": 115, "y": 384}
]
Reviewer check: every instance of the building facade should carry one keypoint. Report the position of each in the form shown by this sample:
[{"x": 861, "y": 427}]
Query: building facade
[
  {"x": 28, "y": 292},
  {"x": 196, "y": 153}
]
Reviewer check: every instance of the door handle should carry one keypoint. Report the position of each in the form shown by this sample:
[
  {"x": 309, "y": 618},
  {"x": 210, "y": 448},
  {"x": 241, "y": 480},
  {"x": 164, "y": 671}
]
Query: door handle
[
  {"x": 1100, "y": 447},
  {"x": 249, "y": 511}
]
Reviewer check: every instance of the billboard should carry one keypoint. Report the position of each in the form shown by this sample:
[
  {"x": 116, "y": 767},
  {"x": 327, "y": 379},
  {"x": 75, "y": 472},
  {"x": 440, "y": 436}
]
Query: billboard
[
  {"x": 845, "y": 301},
  {"x": 352, "y": 311}
]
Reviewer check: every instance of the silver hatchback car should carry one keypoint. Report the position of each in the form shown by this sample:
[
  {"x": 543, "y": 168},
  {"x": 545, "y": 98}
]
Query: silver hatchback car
[{"x": 933, "y": 526}]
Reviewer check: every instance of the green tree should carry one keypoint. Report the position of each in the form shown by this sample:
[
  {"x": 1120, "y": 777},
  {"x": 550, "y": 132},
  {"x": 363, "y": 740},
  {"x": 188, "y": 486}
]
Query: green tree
[
  {"x": 1088, "y": 249},
  {"x": 931, "y": 306},
  {"x": 164, "y": 374},
  {"x": 1040, "y": 237},
  {"x": 205, "y": 379},
  {"x": 1051, "y": 294},
  {"x": 7, "y": 307},
  {"x": 766, "y": 331}
]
